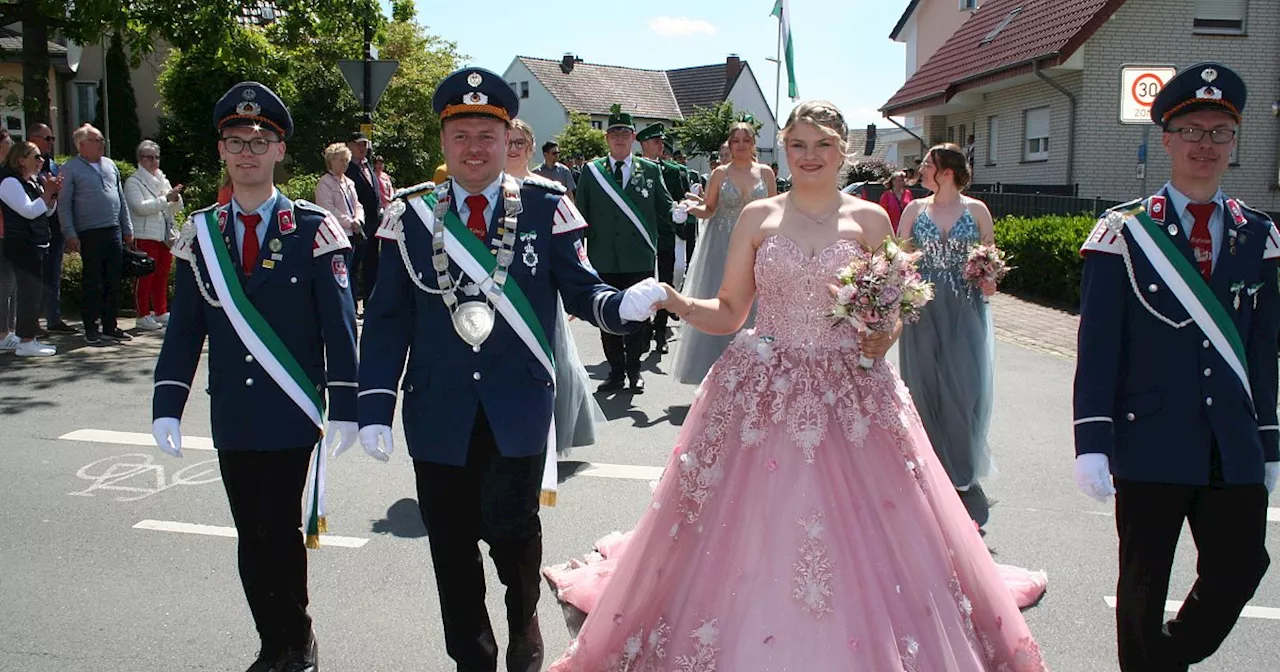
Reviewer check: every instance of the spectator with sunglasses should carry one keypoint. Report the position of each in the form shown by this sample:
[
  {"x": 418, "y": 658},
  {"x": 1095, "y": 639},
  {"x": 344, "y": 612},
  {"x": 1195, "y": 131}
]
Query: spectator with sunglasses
[{"x": 553, "y": 170}]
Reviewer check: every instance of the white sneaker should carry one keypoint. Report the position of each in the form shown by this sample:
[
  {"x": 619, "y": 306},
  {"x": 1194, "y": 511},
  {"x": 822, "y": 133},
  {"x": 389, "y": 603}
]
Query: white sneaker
[
  {"x": 34, "y": 348},
  {"x": 163, "y": 319},
  {"x": 149, "y": 323},
  {"x": 10, "y": 343}
]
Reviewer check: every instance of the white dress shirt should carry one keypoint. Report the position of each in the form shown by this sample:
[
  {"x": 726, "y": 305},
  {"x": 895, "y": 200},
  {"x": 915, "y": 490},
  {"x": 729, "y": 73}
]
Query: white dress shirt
[{"x": 1179, "y": 202}]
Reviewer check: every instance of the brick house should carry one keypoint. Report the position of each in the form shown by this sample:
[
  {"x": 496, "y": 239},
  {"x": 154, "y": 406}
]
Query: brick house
[{"x": 1038, "y": 83}]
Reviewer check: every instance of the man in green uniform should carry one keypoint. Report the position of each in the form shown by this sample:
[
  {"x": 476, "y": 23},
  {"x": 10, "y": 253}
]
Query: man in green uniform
[
  {"x": 652, "y": 139},
  {"x": 629, "y": 213}
]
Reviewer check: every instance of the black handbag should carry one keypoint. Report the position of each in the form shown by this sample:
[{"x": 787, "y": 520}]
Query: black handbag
[{"x": 137, "y": 263}]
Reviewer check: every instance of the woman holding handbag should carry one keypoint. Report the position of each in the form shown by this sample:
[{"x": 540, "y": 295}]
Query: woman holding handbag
[{"x": 154, "y": 206}]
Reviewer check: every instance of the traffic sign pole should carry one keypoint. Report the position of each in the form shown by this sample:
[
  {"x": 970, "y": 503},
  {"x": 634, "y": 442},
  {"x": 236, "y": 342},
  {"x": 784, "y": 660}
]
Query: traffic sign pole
[{"x": 1139, "y": 86}]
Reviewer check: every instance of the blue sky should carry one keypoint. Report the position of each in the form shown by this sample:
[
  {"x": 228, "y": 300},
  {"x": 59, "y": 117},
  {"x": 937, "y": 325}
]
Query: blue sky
[{"x": 842, "y": 48}]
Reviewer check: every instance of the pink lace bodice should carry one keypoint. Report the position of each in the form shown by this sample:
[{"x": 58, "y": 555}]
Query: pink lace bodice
[{"x": 794, "y": 298}]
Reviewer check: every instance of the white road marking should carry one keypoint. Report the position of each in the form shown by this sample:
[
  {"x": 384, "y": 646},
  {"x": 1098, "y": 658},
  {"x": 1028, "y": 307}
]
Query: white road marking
[
  {"x": 230, "y": 532},
  {"x": 1172, "y": 606},
  {"x": 1273, "y": 515},
  {"x": 621, "y": 471},
  {"x": 133, "y": 439}
]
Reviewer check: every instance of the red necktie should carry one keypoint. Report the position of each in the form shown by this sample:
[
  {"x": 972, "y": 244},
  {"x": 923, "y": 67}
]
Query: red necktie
[
  {"x": 1201, "y": 241},
  {"x": 475, "y": 218},
  {"x": 249, "y": 257}
]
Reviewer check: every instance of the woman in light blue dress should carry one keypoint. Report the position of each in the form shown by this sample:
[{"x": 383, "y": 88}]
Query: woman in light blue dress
[
  {"x": 946, "y": 358},
  {"x": 730, "y": 188}
]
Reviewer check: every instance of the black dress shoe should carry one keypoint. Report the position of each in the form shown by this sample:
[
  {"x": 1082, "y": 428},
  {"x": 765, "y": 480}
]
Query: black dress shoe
[
  {"x": 613, "y": 384},
  {"x": 118, "y": 335},
  {"x": 637, "y": 384},
  {"x": 306, "y": 659},
  {"x": 62, "y": 328},
  {"x": 269, "y": 659}
]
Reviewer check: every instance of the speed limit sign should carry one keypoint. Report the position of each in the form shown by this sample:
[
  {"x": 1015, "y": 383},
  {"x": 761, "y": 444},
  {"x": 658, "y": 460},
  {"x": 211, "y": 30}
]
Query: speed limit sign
[{"x": 1139, "y": 85}]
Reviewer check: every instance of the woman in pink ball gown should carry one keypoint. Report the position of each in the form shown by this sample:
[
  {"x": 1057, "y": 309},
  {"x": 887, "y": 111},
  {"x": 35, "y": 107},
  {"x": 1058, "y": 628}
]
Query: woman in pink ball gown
[{"x": 803, "y": 522}]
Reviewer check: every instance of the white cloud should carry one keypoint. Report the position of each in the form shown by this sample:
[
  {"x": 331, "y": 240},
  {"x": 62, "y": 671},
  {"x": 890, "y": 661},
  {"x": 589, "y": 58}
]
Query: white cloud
[{"x": 680, "y": 26}]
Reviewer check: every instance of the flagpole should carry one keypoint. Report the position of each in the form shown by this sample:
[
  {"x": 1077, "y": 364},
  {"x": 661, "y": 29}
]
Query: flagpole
[{"x": 777, "y": 95}]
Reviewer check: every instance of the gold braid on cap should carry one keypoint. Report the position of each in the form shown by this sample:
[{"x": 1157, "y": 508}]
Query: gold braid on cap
[
  {"x": 1211, "y": 101},
  {"x": 252, "y": 117},
  {"x": 484, "y": 110}
]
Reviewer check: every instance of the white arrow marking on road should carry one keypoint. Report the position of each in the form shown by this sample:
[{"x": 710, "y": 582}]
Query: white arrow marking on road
[
  {"x": 133, "y": 439},
  {"x": 1172, "y": 606},
  {"x": 218, "y": 531},
  {"x": 622, "y": 471}
]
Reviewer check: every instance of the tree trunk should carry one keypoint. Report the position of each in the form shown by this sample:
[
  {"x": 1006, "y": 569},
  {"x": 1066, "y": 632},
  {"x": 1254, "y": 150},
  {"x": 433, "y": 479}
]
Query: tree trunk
[{"x": 35, "y": 63}]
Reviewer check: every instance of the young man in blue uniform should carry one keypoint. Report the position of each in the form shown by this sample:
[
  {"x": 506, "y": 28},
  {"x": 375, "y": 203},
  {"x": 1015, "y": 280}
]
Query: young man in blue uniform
[
  {"x": 1175, "y": 388},
  {"x": 466, "y": 293},
  {"x": 265, "y": 280}
]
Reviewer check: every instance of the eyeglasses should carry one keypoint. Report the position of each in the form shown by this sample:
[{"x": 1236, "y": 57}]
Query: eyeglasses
[
  {"x": 518, "y": 144},
  {"x": 1219, "y": 136},
  {"x": 149, "y": 156},
  {"x": 258, "y": 146}
]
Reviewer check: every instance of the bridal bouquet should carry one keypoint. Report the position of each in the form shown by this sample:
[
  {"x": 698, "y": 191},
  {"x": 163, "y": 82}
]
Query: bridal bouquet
[
  {"x": 986, "y": 266},
  {"x": 878, "y": 288}
]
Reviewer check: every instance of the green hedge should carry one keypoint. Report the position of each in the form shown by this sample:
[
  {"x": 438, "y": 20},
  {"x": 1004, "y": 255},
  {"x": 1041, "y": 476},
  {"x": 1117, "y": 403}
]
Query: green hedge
[{"x": 1045, "y": 254}]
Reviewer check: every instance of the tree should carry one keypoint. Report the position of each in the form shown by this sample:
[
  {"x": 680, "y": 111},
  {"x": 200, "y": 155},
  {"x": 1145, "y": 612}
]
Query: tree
[
  {"x": 122, "y": 110},
  {"x": 579, "y": 138},
  {"x": 702, "y": 132},
  {"x": 864, "y": 170}
]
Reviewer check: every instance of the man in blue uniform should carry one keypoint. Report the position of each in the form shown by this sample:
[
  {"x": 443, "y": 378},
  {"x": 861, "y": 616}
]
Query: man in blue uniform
[
  {"x": 1175, "y": 389},
  {"x": 265, "y": 279},
  {"x": 466, "y": 292}
]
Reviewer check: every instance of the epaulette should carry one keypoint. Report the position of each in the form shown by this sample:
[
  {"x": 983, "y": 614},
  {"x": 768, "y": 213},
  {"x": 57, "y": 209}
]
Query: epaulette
[
  {"x": 390, "y": 227},
  {"x": 1126, "y": 207},
  {"x": 1264, "y": 216},
  {"x": 416, "y": 190},
  {"x": 329, "y": 235},
  {"x": 184, "y": 247},
  {"x": 1106, "y": 235},
  {"x": 567, "y": 218},
  {"x": 543, "y": 183},
  {"x": 308, "y": 205}
]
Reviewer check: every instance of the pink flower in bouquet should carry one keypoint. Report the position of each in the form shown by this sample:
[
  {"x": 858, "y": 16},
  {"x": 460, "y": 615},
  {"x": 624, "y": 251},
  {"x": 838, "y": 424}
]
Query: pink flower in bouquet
[
  {"x": 985, "y": 267},
  {"x": 886, "y": 288}
]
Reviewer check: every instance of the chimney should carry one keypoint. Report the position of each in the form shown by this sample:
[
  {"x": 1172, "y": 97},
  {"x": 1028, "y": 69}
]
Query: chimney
[
  {"x": 567, "y": 63},
  {"x": 732, "y": 66}
]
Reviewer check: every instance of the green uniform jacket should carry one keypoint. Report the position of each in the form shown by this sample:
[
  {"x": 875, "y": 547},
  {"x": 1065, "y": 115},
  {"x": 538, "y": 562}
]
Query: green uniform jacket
[
  {"x": 677, "y": 183},
  {"x": 613, "y": 242}
]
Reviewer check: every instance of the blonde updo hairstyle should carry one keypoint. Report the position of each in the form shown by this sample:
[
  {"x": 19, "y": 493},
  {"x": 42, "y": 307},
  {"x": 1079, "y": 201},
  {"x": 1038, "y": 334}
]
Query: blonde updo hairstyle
[
  {"x": 824, "y": 116},
  {"x": 750, "y": 131}
]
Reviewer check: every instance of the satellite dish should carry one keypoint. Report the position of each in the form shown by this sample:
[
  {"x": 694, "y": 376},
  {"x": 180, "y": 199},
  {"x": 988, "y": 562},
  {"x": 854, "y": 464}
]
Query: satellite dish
[{"x": 74, "y": 52}]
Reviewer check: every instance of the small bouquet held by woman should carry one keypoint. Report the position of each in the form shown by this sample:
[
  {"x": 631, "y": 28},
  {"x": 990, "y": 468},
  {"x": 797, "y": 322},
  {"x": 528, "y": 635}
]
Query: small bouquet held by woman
[
  {"x": 985, "y": 268},
  {"x": 878, "y": 288}
]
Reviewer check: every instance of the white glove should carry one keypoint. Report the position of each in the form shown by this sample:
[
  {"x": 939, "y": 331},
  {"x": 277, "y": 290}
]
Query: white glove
[
  {"x": 680, "y": 214},
  {"x": 369, "y": 436},
  {"x": 639, "y": 301},
  {"x": 343, "y": 433},
  {"x": 1271, "y": 470},
  {"x": 1093, "y": 476},
  {"x": 168, "y": 435}
]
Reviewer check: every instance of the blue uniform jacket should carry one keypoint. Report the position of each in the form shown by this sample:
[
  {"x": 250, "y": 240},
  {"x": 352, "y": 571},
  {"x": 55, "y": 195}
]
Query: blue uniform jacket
[
  {"x": 304, "y": 296},
  {"x": 447, "y": 379},
  {"x": 1156, "y": 398}
]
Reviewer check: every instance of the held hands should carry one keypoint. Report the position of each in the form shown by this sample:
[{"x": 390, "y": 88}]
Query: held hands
[
  {"x": 641, "y": 301},
  {"x": 1269, "y": 475},
  {"x": 343, "y": 433},
  {"x": 370, "y": 435},
  {"x": 1093, "y": 476},
  {"x": 168, "y": 435}
]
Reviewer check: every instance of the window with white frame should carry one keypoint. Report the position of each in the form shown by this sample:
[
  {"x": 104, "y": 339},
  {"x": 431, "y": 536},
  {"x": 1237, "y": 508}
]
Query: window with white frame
[
  {"x": 15, "y": 123},
  {"x": 968, "y": 4},
  {"x": 524, "y": 89},
  {"x": 993, "y": 139},
  {"x": 1220, "y": 17},
  {"x": 598, "y": 125},
  {"x": 1035, "y": 123}
]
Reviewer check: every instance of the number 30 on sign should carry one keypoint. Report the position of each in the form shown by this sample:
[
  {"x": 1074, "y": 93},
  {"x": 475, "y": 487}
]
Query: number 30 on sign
[{"x": 1139, "y": 85}]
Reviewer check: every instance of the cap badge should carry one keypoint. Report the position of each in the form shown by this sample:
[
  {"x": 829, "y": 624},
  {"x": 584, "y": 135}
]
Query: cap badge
[
  {"x": 248, "y": 108},
  {"x": 1209, "y": 93},
  {"x": 474, "y": 79},
  {"x": 475, "y": 98},
  {"x": 1209, "y": 74}
]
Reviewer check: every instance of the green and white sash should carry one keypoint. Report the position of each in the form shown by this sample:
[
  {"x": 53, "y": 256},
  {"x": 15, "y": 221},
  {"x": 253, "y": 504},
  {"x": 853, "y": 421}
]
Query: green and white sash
[
  {"x": 1191, "y": 290},
  {"x": 619, "y": 196},
  {"x": 270, "y": 352},
  {"x": 472, "y": 256}
]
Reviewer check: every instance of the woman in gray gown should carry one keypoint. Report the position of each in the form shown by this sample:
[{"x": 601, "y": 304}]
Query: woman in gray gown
[
  {"x": 576, "y": 410},
  {"x": 730, "y": 188},
  {"x": 946, "y": 358}
]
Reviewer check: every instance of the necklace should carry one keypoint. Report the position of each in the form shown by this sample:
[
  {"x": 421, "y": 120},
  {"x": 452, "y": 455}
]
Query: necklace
[{"x": 818, "y": 221}]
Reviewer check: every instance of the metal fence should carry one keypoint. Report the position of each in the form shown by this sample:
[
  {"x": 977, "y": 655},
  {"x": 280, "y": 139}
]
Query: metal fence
[{"x": 1039, "y": 205}]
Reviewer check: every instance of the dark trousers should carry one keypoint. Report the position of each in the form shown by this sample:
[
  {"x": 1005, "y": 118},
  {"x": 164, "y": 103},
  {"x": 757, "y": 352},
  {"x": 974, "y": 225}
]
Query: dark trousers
[
  {"x": 624, "y": 352},
  {"x": 1228, "y": 523},
  {"x": 53, "y": 274},
  {"x": 102, "y": 252},
  {"x": 27, "y": 261},
  {"x": 494, "y": 499},
  {"x": 355, "y": 260},
  {"x": 264, "y": 490},
  {"x": 667, "y": 274},
  {"x": 368, "y": 255}
]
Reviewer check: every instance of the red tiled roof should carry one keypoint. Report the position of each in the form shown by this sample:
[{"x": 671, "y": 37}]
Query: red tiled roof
[{"x": 1047, "y": 31}]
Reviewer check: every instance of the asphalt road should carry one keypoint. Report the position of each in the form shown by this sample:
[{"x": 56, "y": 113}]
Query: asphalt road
[{"x": 83, "y": 587}]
